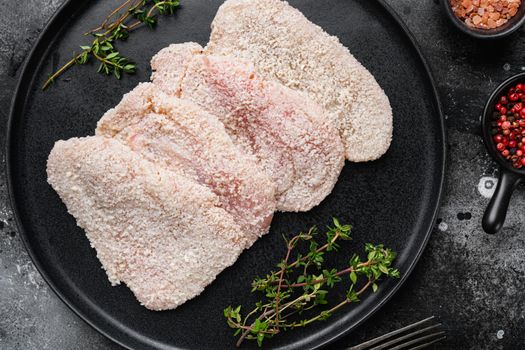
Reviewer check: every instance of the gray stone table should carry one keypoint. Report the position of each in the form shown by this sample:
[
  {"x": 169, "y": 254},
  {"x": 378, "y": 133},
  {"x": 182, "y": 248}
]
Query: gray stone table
[{"x": 473, "y": 282}]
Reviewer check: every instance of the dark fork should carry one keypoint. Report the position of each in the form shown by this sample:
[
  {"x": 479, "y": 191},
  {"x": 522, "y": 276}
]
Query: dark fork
[{"x": 417, "y": 338}]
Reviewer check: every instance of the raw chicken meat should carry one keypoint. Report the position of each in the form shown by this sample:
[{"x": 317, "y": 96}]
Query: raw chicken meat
[
  {"x": 162, "y": 234},
  {"x": 292, "y": 139},
  {"x": 284, "y": 45},
  {"x": 185, "y": 139}
]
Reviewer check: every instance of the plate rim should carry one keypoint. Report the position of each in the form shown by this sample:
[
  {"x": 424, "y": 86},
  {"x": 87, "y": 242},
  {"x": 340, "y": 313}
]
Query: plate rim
[{"x": 20, "y": 97}]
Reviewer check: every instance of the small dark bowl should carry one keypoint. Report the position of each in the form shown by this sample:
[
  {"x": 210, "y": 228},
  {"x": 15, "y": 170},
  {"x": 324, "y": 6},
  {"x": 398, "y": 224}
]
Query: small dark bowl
[
  {"x": 509, "y": 177},
  {"x": 511, "y": 26}
]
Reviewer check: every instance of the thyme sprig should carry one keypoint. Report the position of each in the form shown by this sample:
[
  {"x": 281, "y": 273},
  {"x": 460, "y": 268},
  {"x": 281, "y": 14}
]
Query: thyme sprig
[
  {"x": 296, "y": 294},
  {"x": 117, "y": 26}
]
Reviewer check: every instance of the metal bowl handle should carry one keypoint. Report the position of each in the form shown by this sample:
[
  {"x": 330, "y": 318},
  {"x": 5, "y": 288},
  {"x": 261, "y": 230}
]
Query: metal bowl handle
[{"x": 496, "y": 211}]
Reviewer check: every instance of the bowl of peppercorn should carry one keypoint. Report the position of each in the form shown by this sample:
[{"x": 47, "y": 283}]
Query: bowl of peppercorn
[
  {"x": 486, "y": 19},
  {"x": 503, "y": 129}
]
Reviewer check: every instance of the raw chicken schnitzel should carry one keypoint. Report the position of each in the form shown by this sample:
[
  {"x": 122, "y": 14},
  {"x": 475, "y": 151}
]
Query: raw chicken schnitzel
[
  {"x": 284, "y": 45},
  {"x": 185, "y": 139},
  {"x": 165, "y": 236},
  {"x": 295, "y": 144}
]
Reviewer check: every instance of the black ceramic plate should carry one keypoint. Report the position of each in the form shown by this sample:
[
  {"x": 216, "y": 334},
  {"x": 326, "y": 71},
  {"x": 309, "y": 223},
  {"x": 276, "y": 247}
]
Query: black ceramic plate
[{"x": 393, "y": 200}]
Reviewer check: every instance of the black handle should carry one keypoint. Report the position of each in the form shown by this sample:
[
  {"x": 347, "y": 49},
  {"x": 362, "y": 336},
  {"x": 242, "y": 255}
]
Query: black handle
[{"x": 497, "y": 210}]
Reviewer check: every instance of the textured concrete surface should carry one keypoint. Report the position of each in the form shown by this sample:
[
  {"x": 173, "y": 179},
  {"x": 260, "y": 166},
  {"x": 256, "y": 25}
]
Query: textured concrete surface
[{"x": 471, "y": 281}]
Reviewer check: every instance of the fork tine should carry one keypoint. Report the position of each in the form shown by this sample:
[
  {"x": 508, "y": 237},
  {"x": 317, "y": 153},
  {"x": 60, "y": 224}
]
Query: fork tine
[
  {"x": 417, "y": 340},
  {"x": 406, "y": 336},
  {"x": 428, "y": 344},
  {"x": 388, "y": 335}
]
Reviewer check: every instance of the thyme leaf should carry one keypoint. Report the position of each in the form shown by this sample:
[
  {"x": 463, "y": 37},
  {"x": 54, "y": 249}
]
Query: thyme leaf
[
  {"x": 297, "y": 293},
  {"x": 116, "y": 27}
]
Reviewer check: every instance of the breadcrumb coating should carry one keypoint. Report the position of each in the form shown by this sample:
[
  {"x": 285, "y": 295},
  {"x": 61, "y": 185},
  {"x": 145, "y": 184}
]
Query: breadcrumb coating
[
  {"x": 286, "y": 46},
  {"x": 166, "y": 237},
  {"x": 295, "y": 144},
  {"x": 184, "y": 138}
]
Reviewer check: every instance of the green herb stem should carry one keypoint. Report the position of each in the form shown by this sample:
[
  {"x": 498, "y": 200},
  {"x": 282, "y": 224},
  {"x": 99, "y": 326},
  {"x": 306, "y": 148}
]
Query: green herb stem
[
  {"x": 321, "y": 280},
  {"x": 62, "y": 69},
  {"x": 321, "y": 249},
  {"x": 113, "y": 29},
  {"x": 294, "y": 295},
  {"x": 341, "y": 304},
  {"x": 103, "y": 25}
]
